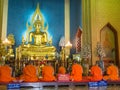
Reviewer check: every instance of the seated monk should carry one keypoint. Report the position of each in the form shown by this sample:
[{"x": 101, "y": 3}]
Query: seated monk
[
  {"x": 76, "y": 73},
  {"x": 29, "y": 73},
  {"x": 6, "y": 73},
  {"x": 61, "y": 69},
  {"x": 112, "y": 72},
  {"x": 96, "y": 73},
  {"x": 48, "y": 72}
]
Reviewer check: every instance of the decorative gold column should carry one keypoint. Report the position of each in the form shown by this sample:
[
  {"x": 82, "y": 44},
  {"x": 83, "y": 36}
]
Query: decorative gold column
[
  {"x": 1, "y": 13},
  {"x": 86, "y": 22},
  {"x": 67, "y": 23},
  {"x": 4, "y": 19},
  {"x": 95, "y": 35}
]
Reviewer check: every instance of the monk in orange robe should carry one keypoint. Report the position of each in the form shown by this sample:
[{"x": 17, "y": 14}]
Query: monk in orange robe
[
  {"x": 6, "y": 73},
  {"x": 96, "y": 73},
  {"x": 61, "y": 69},
  {"x": 112, "y": 72},
  {"x": 30, "y": 73},
  {"x": 76, "y": 73},
  {"x": 48, "y": 73}
]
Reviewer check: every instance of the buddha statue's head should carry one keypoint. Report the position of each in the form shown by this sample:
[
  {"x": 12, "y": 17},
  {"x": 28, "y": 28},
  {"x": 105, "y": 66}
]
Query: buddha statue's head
[{"x": 37, "y": 25}]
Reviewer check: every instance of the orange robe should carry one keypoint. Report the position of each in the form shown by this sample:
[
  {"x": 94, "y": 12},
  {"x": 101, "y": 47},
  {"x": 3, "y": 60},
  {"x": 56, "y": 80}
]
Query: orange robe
[
  {"x": 48, "y": 73},
  {"x": 5, "y": 74},
  {"x": 61, "y": 70},
  {"x": 76, "y": 74},
  {"x": 112, "y": 72},
  {"x": 29, "y": 74},
  {"x": 96, "y": 73}
]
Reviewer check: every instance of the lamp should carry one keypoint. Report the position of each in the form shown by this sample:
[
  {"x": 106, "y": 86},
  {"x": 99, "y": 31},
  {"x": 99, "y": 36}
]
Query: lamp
[
  {"x": 6, "y": 42},
  {"x": 8, "y": 46},
  {"x": 67, "y": 48},
  {"x": 68, "y": 45}
]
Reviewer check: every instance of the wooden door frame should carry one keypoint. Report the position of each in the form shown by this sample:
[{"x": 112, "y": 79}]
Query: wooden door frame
[{"x": 116, "y": 41}]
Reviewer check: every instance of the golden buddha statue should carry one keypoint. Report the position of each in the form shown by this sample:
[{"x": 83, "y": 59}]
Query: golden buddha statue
[
  {"x": 40, "y": 37},
  {"x": 36, "y": 45}
]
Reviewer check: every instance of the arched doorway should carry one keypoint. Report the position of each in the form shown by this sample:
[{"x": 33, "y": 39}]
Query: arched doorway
[{"x": 109, "y": 40}]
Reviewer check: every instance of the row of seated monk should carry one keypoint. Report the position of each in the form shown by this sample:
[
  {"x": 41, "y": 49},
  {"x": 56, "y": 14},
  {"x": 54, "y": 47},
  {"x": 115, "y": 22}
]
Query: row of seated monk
[{"x": 30, "y": 73}]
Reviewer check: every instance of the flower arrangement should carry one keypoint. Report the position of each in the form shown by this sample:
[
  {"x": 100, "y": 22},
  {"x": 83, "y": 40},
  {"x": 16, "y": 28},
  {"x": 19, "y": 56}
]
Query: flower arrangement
[
  {"x": 86, "y": 51},
  {"x": 99, "y": 50}
]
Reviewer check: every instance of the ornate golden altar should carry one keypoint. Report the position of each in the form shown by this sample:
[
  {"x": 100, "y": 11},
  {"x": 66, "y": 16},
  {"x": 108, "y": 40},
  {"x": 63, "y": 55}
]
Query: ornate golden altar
[
  {"x": 37, "y": 45},
  {"x": 35, "y": 52}
]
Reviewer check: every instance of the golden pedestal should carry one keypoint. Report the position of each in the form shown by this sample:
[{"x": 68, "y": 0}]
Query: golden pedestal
[{"x": 35, "y": 52}]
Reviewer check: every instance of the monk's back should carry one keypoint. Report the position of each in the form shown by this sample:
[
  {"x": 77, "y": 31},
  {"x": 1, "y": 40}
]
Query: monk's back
[
  {"x": 112, "y": 73},
  {"x": 76, "y": 74},
  {"x": 5, "y": 73},
  {"x": 61, "y": 70},
  {"x": 29, "y": 73},
  {"x": 77, "y": 69},
  {"x": 96, "y": 73},
  {"x": 30, "y": 69},
  {"x": 48, "y": 70},
  {"x": 113, "y": 70},
  {"x": 48, "y": 73}
]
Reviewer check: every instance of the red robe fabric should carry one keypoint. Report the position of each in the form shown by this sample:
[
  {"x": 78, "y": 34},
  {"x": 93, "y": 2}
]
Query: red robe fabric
[
  {"x": 112, "y": 73},
  {"x": 48, "y": 73},
  {"x": 76, "y": 74},
  {"x": 61, "y": 70},
  {"x": 96, "y": 73},
  {"x": 29, "y": 74},
  {"x": 5, "y": 74}
]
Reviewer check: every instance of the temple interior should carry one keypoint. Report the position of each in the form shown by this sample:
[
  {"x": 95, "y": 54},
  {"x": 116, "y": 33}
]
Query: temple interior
[{"x": 59, "y": 31}]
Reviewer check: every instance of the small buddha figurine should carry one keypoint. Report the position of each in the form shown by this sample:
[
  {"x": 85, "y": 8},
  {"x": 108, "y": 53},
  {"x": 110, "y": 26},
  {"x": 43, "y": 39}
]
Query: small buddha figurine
[
  {"x": 39, "y": 37},
  {"x": 23, "y": 40}
]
